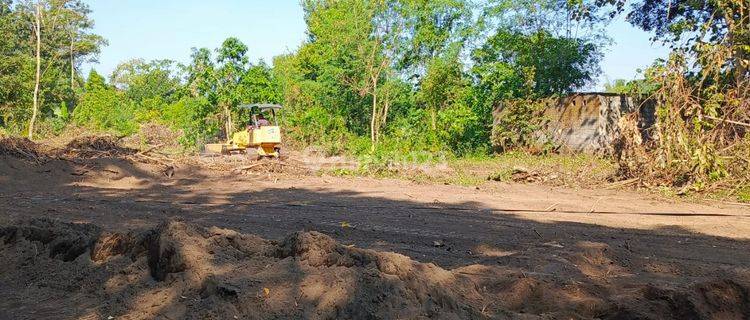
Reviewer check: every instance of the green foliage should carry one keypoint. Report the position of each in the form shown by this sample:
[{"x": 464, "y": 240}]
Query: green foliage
[
  {"x": 16, "y": 68},
  {"x": 316, "y": 126},
  {"x": 517, "y": 124},
  {"x": 435, "y": 27},
  {"x": 639, "y": 87},
  {"x": 107, "y": 110},
  {"x": 620, "y": 86},
  {"x": 229, "y": 81},
  {"x": 547, "y": 64},
  {"x": 193, "y": 117},
  {"x": 142, "y": 81},
  {"x": 259, "y": 85},
  {"x": 231, "y": 64},
  {"x": 61, "y": 118},
  {"x": 95, "y": 81},
  {"x": 336, "y": 57},
  {"x": 66, "y": 43},
  {"x": 444, "y": 84}
]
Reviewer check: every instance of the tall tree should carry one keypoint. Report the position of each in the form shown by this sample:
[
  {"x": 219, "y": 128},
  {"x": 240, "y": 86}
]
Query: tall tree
[
  {"x": 554, "y": 46},
  {"x": 433, "y": 28},
  {"x": 712, "y": 29},
  {"x": 38, "y": 63},
  {"x": 232, "y": 65},
  {"x": 146, "y": 81},
  {"x": 47, "y": 26},
  {"x": 222, "y": 82},
  {"x": 16, "y": 66}
]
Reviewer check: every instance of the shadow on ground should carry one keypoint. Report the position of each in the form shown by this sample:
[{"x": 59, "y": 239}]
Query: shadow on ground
[{"x": 501, "y": 265}]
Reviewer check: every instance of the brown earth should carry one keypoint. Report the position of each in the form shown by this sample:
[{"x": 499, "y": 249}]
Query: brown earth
[{"x": 97, "y": 238}]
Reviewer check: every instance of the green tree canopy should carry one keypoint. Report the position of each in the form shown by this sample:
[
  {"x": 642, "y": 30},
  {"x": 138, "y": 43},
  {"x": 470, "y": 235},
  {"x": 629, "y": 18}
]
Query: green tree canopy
[{"x": 141, "y": 80}]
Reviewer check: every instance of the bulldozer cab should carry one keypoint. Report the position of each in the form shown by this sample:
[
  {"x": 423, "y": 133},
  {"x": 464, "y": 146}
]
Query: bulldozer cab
[
  {"x": 262, "y": 115},
  {"x": 263, "y": 132}
]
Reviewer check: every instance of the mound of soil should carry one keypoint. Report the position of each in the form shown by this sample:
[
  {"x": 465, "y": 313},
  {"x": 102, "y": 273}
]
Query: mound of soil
[
  {"x": 178, "y": 270},
  {"x": 53, "y": 270},
  {"x": 96, "y": 146},
  {"x": 20, "y": 148}
]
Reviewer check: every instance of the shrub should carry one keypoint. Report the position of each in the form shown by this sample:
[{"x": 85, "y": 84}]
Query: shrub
[
  {"x": 106, "y": 109},
  {"x": 192, "y": 117},
  {"x": 316, "y": 126},
  {"x": 516, "y": 124}
]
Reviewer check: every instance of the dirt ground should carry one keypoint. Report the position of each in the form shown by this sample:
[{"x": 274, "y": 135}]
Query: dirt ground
[{"x": 111, "y": 238}]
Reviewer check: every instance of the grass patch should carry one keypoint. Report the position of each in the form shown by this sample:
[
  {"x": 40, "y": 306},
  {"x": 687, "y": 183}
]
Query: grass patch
[
  {"x": 743, "y": 194},
  {"x": 554, "y": 169}
]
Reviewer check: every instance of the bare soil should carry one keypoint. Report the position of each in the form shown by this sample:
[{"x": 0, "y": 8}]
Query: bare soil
[{"x": 108, "y": 237}]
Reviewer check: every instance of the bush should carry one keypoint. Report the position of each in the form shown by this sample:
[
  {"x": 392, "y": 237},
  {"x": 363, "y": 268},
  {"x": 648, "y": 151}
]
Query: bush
[
  {"x": 516, "y": 124},
  {"x": 192, "y": 117},
  {"x": 107, "y": 110},
  {"x": 697, "y": 143},
  {"x": 316, "y": 126}
]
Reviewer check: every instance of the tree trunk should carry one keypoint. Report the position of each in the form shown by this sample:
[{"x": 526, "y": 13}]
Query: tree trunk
[
  {"x": 72, "y": 65},
  {"x": 38, "y": 31},
  {"x": 433, "y": 118},
  {"x": 227, "y": 121},
  {"x": 387, "y": 105},
  {"x": 373, "y": 120}
]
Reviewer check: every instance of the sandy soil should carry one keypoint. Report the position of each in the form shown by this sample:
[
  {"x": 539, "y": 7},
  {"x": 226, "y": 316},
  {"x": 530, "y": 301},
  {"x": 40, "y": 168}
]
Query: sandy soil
[{"x": 499, "y": 251}]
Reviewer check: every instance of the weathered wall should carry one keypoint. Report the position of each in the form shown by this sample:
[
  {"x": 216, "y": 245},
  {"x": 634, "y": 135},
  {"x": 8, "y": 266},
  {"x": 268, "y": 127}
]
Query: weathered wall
[{"x": 587, "y": 122}]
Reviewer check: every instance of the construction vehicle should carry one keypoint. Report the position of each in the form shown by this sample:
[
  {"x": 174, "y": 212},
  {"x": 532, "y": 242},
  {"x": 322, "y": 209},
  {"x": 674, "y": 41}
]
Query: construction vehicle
[{"x": 262, "y": 135}]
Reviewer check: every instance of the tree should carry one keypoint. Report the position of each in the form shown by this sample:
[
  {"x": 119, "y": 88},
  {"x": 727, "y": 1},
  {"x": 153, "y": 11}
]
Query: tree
[
  {"x": 38, "y": 63},
  {"x": 16, "y": 67},
  {"x": 432, "y": 28},
  {"x": 95, "y": 81},
  {"x": 352, "y": 48},
  {"x": 39, "y": 33},
  {"x": 443, "y": 86},
  {"x": 549, "y": 65},
  {"x": 259, "y": 85},
  {"x": 343, "y": 55},
  {"x": 619, "y": 86},
  {"x": 716, "y": 31},
  {"x": 142, "y": 81},
  {"x": 230, "y": 80},
  {"x": 232, "y": 64},
  {"x": 104, "y": 108}
]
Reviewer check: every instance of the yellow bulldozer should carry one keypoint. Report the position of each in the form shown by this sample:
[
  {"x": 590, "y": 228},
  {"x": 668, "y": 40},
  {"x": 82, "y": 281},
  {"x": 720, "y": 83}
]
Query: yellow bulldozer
[{"x": 262, "y": 135}]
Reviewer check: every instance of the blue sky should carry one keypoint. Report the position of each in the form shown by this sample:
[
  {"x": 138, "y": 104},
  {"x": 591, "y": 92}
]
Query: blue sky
[{"x": 167, "y": 29}]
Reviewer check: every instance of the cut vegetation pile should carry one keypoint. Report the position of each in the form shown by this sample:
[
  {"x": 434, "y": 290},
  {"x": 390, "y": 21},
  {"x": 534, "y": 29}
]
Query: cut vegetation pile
[
  {"x": 268, "y": 166},
  {"x": 178, "y": 270},
  {"x": 96, "y": 146},
  {"x": 21, "y": 148},
  {"x": 244, "y": 164}
]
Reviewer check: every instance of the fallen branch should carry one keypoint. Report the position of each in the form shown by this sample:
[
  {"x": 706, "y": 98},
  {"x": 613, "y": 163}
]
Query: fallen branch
[
  {"x": 292, "y": 165},
  {"x": 623, "y": 183},
  {"x": 728, "y": 121},
  {"x": 158, "y": 161},
  {"x": 150, "y": 149},
  {"x": 245, "y": 168}
]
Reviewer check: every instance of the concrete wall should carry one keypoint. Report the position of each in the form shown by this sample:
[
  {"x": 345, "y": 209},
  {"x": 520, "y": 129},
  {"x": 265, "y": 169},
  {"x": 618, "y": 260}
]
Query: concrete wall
[{"x": 587, "y": 122}]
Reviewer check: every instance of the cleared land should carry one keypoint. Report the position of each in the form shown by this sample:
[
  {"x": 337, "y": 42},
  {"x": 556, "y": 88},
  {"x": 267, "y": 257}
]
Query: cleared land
[{"x": 499, "y": 250}]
